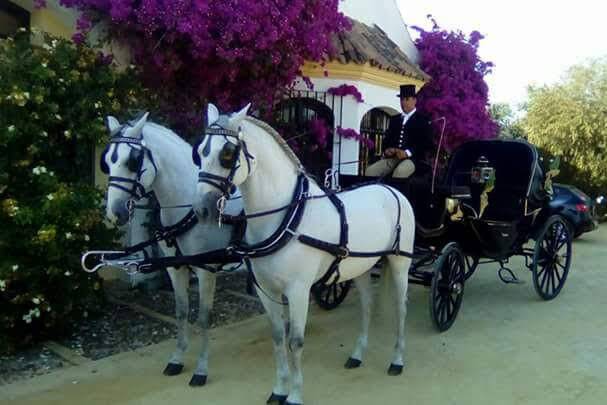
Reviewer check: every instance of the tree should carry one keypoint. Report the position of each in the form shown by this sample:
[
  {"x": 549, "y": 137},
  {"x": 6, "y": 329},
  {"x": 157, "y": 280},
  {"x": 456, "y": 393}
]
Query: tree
[
  {"x": 457, "y": 90},
  {"x": 508, "y": 123},
  {"x": 569, "y": 119},
  {"x": 229, "y": 52}
]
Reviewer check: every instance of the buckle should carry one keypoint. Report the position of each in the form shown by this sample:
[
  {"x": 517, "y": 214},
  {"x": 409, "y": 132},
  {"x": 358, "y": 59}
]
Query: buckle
[{"x": 342, "y": 252}]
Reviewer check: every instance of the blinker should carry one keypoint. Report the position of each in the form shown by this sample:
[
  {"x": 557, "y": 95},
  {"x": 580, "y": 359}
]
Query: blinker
[
  {"x": 135, "y": 160},
  {"x": 228, "y": 155}
]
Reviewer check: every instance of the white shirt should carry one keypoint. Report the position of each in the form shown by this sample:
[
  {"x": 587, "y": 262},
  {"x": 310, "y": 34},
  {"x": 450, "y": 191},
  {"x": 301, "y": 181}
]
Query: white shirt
[
  {"x": 406, "y": 116},
  {"x": 401, "y": 138}
]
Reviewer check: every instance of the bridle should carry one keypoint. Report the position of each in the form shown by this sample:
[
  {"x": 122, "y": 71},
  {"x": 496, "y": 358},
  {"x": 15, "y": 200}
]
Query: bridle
[
  {"x": 228, "y": 158},
  {"x": 132, "y": 187}
]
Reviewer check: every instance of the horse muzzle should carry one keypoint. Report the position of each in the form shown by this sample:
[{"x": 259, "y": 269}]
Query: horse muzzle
[{"x": 119, "y": 213}]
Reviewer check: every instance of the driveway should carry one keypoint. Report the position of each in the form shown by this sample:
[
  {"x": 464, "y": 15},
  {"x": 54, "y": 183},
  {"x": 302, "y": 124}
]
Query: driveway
[{"x": 506, "y": 347}]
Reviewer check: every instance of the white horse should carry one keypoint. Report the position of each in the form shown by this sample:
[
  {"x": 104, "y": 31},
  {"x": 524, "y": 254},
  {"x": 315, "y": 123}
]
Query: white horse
[
  {"x": 143, "y": 157},
  {"x": 241, "y": 151}
]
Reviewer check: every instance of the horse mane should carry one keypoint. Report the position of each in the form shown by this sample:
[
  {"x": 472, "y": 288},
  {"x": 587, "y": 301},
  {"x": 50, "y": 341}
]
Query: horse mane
[{"x": 280, "y": 140}]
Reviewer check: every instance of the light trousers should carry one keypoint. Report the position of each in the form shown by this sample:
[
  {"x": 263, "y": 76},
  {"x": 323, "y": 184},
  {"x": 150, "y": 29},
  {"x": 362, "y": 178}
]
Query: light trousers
[{"x": 398, "y": 168}]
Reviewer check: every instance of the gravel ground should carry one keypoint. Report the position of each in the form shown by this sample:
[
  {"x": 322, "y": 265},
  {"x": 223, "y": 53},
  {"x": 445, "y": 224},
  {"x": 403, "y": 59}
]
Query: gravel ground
[
  {"x": 29, "y": 363},
  {"x": 117, "y": 330},
  {"x": 121, "y": 328}
]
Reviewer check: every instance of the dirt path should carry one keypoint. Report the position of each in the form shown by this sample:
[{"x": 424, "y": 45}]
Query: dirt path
[{"x": 506, "y": 347}]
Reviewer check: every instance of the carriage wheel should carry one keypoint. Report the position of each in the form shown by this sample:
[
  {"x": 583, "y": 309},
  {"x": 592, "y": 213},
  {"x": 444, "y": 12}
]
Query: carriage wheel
[
  {"x": 447, "y": 287},
  {"x": 471, "y": 265},
  {"x": 552, "y": 258},
  {"x": 330, "y": 296}
]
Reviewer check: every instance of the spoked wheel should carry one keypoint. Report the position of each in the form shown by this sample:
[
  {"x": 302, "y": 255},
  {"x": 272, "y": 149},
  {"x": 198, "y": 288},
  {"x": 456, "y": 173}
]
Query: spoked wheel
[
  {"x": 552, "y": 258},
  {"x": 471, "y": 265},
  {"x": 329, "y": 297},
  {"x": 447, "y": 288}
]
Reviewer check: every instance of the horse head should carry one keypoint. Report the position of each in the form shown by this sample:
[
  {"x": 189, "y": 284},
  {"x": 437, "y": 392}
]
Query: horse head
[
  {"x": 129, "y": 165},
  {"x": 223, "y": 158}
]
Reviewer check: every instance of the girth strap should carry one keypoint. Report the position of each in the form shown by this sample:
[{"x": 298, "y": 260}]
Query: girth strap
[{"x": 340, "y": 251}]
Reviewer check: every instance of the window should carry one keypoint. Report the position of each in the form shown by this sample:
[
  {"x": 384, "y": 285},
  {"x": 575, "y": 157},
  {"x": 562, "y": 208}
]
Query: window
[
  {"x": 293, "y": 117},
  {"x": 12, "y": 17}
]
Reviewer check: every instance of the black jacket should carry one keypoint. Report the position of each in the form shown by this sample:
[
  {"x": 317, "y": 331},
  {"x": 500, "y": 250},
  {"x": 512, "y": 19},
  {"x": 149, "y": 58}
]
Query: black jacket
[{"x": 416, "y": 136}]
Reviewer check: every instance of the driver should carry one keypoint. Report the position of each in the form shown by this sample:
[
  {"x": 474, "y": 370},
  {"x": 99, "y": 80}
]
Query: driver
[{"x": 407, "y": 139}]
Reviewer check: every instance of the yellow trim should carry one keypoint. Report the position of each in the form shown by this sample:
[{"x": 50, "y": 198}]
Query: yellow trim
[
  {"x": 46, "y": 20},
  {"x": 363, "y": 72},
  {"x": 49, "y": 19}
]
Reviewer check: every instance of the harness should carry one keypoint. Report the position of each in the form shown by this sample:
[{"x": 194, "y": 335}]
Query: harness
[
  {"x": 167, "y": 234},
  {"x": 229, "y": 159},
  {"x": 242, "y": 252},
  {"x": 134, "y": 164}
]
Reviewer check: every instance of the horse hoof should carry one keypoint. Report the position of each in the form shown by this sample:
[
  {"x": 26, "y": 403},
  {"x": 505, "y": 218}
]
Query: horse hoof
[
  {"x": 173, "y": 369},
  {"x": 352, "y": 363},
  {"x": 292, "y": 403},
  {"x": 198, "y": 380},
  {"x": 395, "y": 369},
  {"x": 276, "y": 399}
]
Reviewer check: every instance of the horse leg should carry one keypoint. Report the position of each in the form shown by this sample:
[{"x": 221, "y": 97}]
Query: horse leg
[
  {"x": 206, "y": 291},
  {"x": 363, "y": 285},
  {"x": 298, "y": 313},
  {"x": 275, "y": 314},
  {"x": 180, "y": 278},
  {"x": 399, "y": 266}
]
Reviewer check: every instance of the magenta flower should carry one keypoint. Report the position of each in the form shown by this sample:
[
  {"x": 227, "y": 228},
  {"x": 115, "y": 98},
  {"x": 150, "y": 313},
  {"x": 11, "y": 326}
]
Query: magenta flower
[
  {"x": 457, "y": 90},
  {"x": 230, "y": 52},
  {"x": 346, "y": 90}
]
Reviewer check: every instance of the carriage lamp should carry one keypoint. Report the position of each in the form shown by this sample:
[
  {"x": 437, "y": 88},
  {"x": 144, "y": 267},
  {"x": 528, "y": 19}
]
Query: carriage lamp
[
  {"x": 600, "y": 200},
  {"x": 482, "y": 172}
]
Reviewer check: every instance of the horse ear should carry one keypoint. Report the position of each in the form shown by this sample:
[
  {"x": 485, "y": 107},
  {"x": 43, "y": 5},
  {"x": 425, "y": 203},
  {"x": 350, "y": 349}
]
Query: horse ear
[
  {"x": 212, "y": 114},
  {"x": 237, "y": 118},
  {"x": 112, "y": 125},
  {"x": 135, "y": 132}
]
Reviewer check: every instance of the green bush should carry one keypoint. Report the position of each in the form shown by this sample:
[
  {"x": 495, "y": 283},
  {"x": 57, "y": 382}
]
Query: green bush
[{"x": 53, "y": 97}]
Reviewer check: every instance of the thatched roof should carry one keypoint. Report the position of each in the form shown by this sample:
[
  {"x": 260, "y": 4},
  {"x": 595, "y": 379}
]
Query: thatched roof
[{"x": 365, "y": 44}]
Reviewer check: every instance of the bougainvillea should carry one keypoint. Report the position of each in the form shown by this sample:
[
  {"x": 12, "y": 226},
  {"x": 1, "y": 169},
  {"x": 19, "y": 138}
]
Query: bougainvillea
[
  {"x": 349, "y": 133},
  {"x": 229, "y": 52},
  {"x": 346, "y": 90},
  {"x": 319, "y": 131},
  {"x": 457, "y": 90}
]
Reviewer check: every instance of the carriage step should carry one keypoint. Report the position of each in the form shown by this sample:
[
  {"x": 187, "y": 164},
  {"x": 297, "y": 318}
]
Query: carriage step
[{"x": 508, "y": 277}]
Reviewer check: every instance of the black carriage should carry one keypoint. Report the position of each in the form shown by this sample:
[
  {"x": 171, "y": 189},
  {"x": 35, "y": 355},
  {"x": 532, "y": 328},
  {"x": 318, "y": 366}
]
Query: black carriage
[{"x": 491, "y": 204}]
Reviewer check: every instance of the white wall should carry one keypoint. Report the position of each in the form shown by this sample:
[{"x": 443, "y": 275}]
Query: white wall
[
  {"x": 386, "y": 15},
  {"x": 352, "y": 114}
]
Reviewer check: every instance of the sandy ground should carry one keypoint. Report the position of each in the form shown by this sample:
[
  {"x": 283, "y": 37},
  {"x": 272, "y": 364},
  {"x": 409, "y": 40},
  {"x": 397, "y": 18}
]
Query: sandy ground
[{"x": 506, "y": 347}]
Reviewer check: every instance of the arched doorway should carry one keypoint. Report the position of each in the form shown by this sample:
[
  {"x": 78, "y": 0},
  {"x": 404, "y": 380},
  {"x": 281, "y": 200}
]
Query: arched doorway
[
  {"x": 373, "y": 126},
  {"x": 307, "y": 123}
]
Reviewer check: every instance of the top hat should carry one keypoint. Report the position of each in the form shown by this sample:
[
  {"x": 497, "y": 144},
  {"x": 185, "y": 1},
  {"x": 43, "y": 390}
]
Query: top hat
[{"x": 407, "y": 90}]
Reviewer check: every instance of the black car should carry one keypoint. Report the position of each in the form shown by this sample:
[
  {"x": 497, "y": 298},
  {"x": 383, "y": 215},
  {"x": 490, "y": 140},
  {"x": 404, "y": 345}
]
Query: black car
[{"x": 579, "y": 209}]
